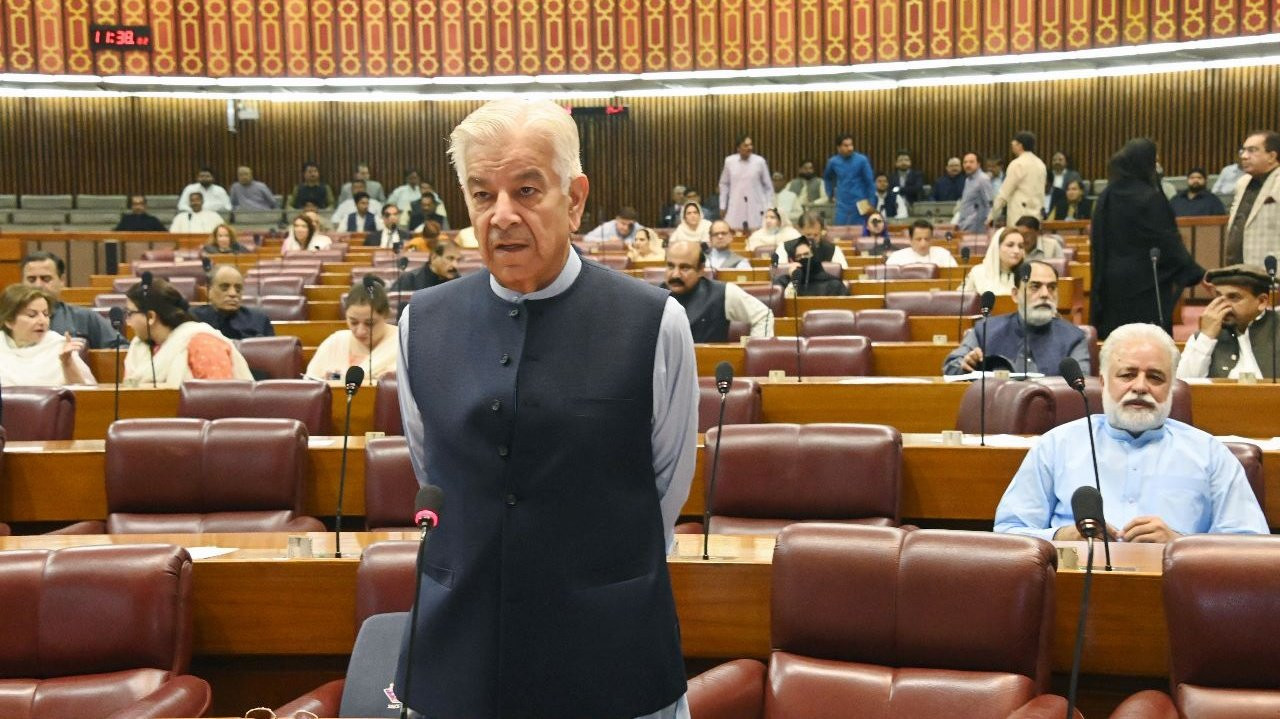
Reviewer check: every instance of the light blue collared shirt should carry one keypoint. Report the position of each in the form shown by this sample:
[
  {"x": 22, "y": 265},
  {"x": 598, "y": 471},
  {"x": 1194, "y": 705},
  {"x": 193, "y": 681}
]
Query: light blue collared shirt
[
  {"x": 675, "y": 410},
  {"x": 1176, "y": 472}
]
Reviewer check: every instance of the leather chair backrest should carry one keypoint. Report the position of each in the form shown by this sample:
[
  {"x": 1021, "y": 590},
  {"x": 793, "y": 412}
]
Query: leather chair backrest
[
  {"x": 1091, "y": 337},
  {"x": 33, "y": 414},
  {"x": 172, "y": 271},
  {"x": 94, "y": 610},
  {"x": 384, "y": 580},
  {"x": 741, "y": 404},
  {"x": 738, "y": 330},
  {"x": 1250, "y": 456},
  {"x": 1222, "y": 606},
  {"x": 919, "y": 271},
  {"x": 821, "y": 356},
  {"x": 882, "y": 272},
  {"x": 1068, "y": 406},
  {"x": 309, "y": 275},
  {"x": 822, "y": 323},
  {"x": 389, "y": 484},
  {"x": 811, "y": 471},
  {"x": 883, "y": 325},
  {"x": 110, "y": 299},
  {"x": 922, "y": 304},
  {"x": 284, "y": 308},
  {"x": 265, "y": 285},
  {"x": 907, "y": 623},
  {"x": 769, "y": 294},
  {"x": 186, "y": 286},
  {"x": 833, "y": 269},
  {"x": 194, "y": 475},
  {"x": 278, "y": 357},
  {"x": 1013, "y": 407},
  {"x": 308, "y": 401},
  {"x": 386, "y": 406}
]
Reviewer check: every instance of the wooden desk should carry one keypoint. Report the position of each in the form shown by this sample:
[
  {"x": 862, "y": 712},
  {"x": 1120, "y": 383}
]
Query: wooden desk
[
  {"x": 888, "y": 359},
  {"x": 63, "y": 481},
  {"x": 255, "y": 602}
]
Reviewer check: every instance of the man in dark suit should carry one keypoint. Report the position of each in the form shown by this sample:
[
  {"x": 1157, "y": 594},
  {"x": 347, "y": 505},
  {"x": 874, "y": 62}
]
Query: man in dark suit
[
  {"x": 362, "y": 220},
  {"x": 423, "y": 210},
  {"x": 442, "y": 268},
  {"x": 390, "y": 234},
  {"x": 225, "y": 313},
  {"x": 909, "y": 181}
]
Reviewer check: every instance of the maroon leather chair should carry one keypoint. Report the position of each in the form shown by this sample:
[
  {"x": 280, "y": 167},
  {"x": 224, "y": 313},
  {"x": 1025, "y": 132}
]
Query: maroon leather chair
[
  {"x": 769, "y": 294},
  {"x": 830, "y": 323},
  {"x": 831, "y": 268},
  {"x": 1068, "y": 406},
  {"x": 4, "y": 528},
  {"x": 278, "y": 357},
  {"x": 283, "y": 308},
  {"x": 386, "y": 406},
  {"x": 880, "y": 621},
  {"x": 384, "y": 583},
  {"x": 772, "y": 475},
  {"x": 389, "y": 485},
  {"x": 309, "y": 275},
  {"x": 192, "y": 475},
  {"x": 101, "y": 631},
  {"x": 1013, "y": 407},
  {"x": 1091, "y": 337},
  {"x": 738, "y": 330},
  {"x": 919, "y": 271},
  {"x": 1250, "y": 456},
  {"x": 882, "y": 272},
  {"x": 33, "y": 414},
  {"x": 883, "y": 325},
  {"x": 741, "y": 404},
  {"x": 1222, "y": 606},
  {"x": 337, "y": 252},
  {"x": 265, "y": 285},
  {"x": 110, "y": 299},
  {"x": 821, "y": 356},
  {"x": 922, "y": 304},
  {"x": 185, "y": 285},
  {"x": 308, "y": 401}
]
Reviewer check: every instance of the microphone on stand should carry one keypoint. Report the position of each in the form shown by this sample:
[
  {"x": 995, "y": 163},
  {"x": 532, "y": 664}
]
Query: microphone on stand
[
  {"x": 884, "y": 271},
  {"x": 1024, "y": 276},
  {"x": 1086, "y": 506},
  {"x": 206, "y": 264},
  {"x": 426, "y": 516},
  {"x": 988, "y": 301},
  {"x": 795, "y": 307},
  {"x": 965, "y": 252},
  {"x": 1155, "y": 276},
  {"x": 1269, "y": 262},
  {"x": 370, "y": 282},
  {"x": 1070, "y": 371},
  {"x": 724, "y": 380},
  {"x": 145, "y": 281},
  {"x": 116, "y": 315},
  {"x": 355, "y": 376}
]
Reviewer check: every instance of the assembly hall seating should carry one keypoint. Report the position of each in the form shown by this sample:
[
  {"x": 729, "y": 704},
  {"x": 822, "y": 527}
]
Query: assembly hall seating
[
  {"x": 384, "y": 583},
  {"x": 97, "y": 632},
  {"x": 278, "y": 357},
  {"x": 39, "y": 413},
  {"x": 192, "y": 476},
  {"x": 768, "y": 293},
  {"x": 913, "y": 271},
  {"x": 280, "y": 308},
  {"x": 389, "y": 485},
  {"x": 741, "y": 403},
  {"x": 185, "y": 285},
  {"x": 1068, "y": 406},
  {"x": 772, "y": 475},
  {"x": 4, "y": 528},
  {"x": 1012, "y": 407},
  {"x": 1222, "y": 607},
  {"x": 922, "y": 304},
  {"x": 881, "y": 621},
  {"x": 818, "y": 356},
  {"x": 308, "y": 401},
  {"x": 386, "y": 406},
  {"x": 875, "y": 325},
  {"x": 1250, "y": 456}
]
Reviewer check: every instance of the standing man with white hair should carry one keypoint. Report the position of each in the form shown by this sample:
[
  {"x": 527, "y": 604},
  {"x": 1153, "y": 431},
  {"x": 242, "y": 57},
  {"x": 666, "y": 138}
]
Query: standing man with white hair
[
  {"x": 1160, "y": 478},
  {"x": 545, "y": 590}
]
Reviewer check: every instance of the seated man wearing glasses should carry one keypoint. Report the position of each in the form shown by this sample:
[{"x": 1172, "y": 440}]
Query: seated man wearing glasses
[{"x": 1048, "y": 337}]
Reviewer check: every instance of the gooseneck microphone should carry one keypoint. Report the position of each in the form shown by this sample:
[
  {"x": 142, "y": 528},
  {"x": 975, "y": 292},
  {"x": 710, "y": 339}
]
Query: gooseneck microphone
[
  {"x": 426, "y": 516},
  {"x": 795, "y": 309},
  {"x": 1070, "y": 371},
  {"x": 1155, "y": 277},
  {"x": 884, "y": 271},
  {"x": 145, "y": 281},
  {"x": 724, "y": 380},
  {"x": 401, "y": 265},
  {"x": 370, "y": 282},
  {"x": 1024, "y": 276},
  {"x": 965, "y": 252},
  {"x": 355, "y": 376},
  {"x": 116, "y": 315},
  {"x": 1086, "y": 506},
  {"x": 988, "y": 301},
  {"x": 1269, "y": 262}
]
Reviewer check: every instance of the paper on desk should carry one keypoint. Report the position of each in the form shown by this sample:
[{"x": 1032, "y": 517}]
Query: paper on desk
[
  {"x": 25, "y": 447},
  {"x": 208, "y": 552},
  {"x": 1266, "y": 445},
  {"x": 321, "y": 442},
  {"x": 1196, "y": 380},
  {"x": 885, "y": 380},
  {"x": 969, "y": 376},
  {"x": 1002, "y": 440}
]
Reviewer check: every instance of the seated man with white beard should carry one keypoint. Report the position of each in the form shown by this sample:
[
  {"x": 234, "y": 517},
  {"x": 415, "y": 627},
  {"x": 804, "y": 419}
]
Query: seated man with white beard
[
  {"x": 1160, "y": 478},
  {"x": 1049, "y": 338}
]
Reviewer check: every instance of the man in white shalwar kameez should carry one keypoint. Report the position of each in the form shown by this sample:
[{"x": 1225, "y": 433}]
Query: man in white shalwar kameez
[{"x": 745, "y": 188}]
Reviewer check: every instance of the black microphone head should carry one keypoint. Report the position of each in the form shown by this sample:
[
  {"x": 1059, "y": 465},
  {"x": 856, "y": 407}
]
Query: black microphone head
[
  {"x": 145, "y": 279},
  {"x": 1024, "y": 273},
  {"x": 1155, "y": 254},
  {"x": 724, "y": 377},
  {"x": 1086, "y": 507},
  {"x": 988, "y": 301},
  {"x": 965, "y": 253},
  {"x": 402, "y": 263},
  {"x": 1069, "y": 368},
  {"x": 949, "y": 236},
  {"x": 369, "y": 281},
  {"x": 206, "y": 263},
  {"x": 1269, "y": 262},
  {"x": 354, "y": 378},
  {"x": 888, "y": 242},
  {"x": 116, "y": 314},
  {"x": 397, "y": 246},
  {"x": 427, "y": 506}
]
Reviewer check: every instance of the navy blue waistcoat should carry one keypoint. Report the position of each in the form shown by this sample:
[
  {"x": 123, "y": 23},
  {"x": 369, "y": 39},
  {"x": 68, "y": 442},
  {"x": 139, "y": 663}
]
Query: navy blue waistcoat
[
  {"x": 1047, "y": 344},
  {"x": 546, "y": 591},
  {"x": 704, "y": 305}
]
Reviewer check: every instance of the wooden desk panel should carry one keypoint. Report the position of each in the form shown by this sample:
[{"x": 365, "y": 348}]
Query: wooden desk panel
[
  {"x": 254, "y": 602},
  {"x": 888, "y": 359}
]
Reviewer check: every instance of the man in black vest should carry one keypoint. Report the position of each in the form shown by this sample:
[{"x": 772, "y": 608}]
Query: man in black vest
[
  {"x": 1237, "y": 330},
  {"x": 225, "y": 313},
  {"x": 545, "y": 590},
  {"x": 442, "y": 268},
  {"x": 711, "y": 304}
]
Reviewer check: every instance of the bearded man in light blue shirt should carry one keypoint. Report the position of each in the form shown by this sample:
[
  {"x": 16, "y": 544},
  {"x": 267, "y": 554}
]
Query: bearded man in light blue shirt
[{"x": 1160, "y": 478}]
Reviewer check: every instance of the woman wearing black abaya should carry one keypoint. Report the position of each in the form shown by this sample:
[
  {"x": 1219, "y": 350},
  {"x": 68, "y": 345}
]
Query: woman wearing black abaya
[{"x": 1131, "y": 218}]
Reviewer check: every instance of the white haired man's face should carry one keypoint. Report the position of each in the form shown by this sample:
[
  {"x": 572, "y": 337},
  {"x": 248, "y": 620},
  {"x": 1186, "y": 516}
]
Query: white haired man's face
[
  {"x": 521, "y": 216},
  {"x": 1137, "y": 386}
]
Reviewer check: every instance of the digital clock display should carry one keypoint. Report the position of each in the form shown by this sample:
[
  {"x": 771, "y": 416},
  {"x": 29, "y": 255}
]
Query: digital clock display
[{"x": 120, "y": 37}]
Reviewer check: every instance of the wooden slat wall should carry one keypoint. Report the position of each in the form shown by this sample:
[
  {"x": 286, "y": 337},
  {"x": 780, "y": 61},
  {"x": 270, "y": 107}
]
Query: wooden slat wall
[{"x": 154, "y": 145}]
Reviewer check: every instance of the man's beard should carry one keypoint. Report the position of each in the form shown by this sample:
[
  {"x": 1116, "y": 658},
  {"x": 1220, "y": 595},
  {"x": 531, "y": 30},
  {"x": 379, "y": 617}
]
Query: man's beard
[
  {"x": 1136, "y": 419},
  {"x": 1038, "y": 315}
]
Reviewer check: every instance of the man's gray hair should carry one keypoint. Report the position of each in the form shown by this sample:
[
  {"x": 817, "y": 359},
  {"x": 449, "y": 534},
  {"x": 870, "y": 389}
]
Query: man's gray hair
[
  {"x": 1130, "y": 333},
  {"x": 494, "y": 123}
]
